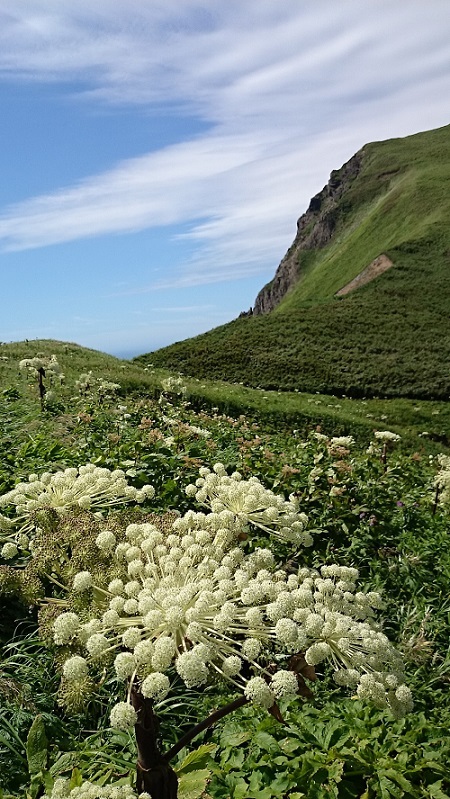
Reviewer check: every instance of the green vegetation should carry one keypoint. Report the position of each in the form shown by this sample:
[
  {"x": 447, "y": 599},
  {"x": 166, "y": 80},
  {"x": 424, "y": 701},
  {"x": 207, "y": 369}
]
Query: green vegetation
[
  {"x": 371, "y": 504},
  {"x": 389, "y": 338}
]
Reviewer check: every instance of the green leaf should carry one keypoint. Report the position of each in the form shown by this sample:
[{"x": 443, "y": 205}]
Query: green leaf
[
  {"x": 241, "y": 789},
  {"x": 434, "y": 790},
  {"x": 47, "y": 781},
  {"x": 388, "y": 788},
  {"x": 197, "y": 759},
  {"x": 265, "y": 741},
  {"x": 192, "y": 784},
  {"x": 235, "y": 758},
  {"x": 289, "y": 745},
  {"x": 65, "y": 762},
  {"x": 235, "y": 738},
  {"x": 399, "y": 779},
  {"x": 35, "y": 785},
  {"x": 37, "y": 747},
  {"x": 76, "y": 780}
]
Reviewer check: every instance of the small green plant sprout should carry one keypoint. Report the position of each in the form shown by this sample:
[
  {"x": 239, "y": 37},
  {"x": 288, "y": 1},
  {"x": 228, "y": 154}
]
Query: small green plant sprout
[
  {"x": 88, "y": 487},
  {"x": 39, "y": 368},
  {"x": 199, "y": 603}
]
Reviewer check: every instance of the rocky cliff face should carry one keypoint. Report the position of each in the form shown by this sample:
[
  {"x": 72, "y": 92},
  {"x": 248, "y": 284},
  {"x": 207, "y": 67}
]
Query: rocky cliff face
[{"x": 315, "y": 228}]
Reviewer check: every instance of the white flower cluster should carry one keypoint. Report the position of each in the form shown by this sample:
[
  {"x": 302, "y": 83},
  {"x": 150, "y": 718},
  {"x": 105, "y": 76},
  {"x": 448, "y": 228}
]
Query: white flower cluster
[
  {"x": 9, "y": 550},
  {"x": 50, "y": 365},
  {"x": 387, "y": 436},
  {"x": 86, "y": 487},
  {"x": 194, "y": 601},
  {"x": 250, "y": 503},
  {"x": 197, "y": 431},
  {"x": 184, "y": 427},
  {"x": 341, "y": 441},
  {"x": 442, "y": 479},
  {"x": 88, "y": 790},
  {"x": 174, "y": 385},
  {"x": 87, "y": 382}
]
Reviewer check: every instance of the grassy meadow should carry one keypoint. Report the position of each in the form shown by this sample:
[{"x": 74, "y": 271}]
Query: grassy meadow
[{"x": 371, "y": 503}]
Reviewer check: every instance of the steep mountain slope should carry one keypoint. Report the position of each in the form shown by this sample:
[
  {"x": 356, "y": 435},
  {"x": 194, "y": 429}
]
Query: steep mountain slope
[{"x": 360, "y": 304}]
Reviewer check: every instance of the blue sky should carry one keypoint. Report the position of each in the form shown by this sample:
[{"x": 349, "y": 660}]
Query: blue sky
[{"x": 156, "y": 154}]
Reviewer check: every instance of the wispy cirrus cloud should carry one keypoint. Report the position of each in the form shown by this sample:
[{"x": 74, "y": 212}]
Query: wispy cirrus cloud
[{"x": 288, "y": 91}]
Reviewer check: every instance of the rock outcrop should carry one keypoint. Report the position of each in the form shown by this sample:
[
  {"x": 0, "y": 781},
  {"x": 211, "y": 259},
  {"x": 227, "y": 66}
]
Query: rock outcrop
[{"x": 315, "y": 229}]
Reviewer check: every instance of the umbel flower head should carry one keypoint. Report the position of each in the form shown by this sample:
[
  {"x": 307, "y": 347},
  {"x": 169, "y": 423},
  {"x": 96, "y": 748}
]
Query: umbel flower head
[
  {"x": 33, "y": 365},
  {"x": 386, "y": 436},
  {"x": 174, "y": 385},
  {"x": 88, "y": 383},
  {"x": 195, "y": 602},
  {"x": 88, "y": 790},
  {"x": 250, "y": 503},
  {"x": 88, "y": 487},
  {"x": 442, "y": 479}
]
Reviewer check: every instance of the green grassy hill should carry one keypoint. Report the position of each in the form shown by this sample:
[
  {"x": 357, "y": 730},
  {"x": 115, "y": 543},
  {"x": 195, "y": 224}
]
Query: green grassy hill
[
  {"x": 423, "y": 426},
  {"x": 390, "y": 337}
]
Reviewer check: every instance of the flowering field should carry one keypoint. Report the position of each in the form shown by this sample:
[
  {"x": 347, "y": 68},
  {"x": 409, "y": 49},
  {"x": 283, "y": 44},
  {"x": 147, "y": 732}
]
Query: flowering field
[{"x": 211, "y": 604}]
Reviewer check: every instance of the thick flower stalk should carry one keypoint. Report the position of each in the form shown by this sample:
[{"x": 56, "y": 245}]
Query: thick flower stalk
[
  {"x": 39, "y": 368},
  {"x": 251, "y": 503},
  {"x": 88, "y": 487},
  {"x": 194, "y": 602}
]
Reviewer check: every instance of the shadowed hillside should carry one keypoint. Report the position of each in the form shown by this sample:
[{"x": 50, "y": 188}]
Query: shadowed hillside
[{"x": 360, "y": 303}]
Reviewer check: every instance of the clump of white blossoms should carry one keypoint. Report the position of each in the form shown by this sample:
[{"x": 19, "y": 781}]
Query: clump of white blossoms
[
  {"x": 341, "y": 441},
  {"x": 250, "y": 503},
  {"x": 88, "y": 383},
  {"x": 386, "y": 436},
  {"x": 33, "y": 365},
  {"x": 88, "y": 790},
  {"x": 194, "y": 602},
  {"x": 442, "y": 479},
  {"x": 88, "y": 487},
  {"x": 174, "y": 385}
]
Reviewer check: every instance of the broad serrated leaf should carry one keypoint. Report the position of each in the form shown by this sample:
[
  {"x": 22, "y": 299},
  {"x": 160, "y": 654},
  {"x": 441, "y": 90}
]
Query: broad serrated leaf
[
  {"x": 387, "y": 787},
  {"x": 64, "y": 762},
  {"x": 235, "y": 738},
  {"x": 192, "y": 784},
  {"x": 399, "y": 779},
  {"x": 197, "y": 759},
  {"x": 265, "y": 741},
  {"x": 36, "y": 748},
  {"x": 435, "y": 791}
]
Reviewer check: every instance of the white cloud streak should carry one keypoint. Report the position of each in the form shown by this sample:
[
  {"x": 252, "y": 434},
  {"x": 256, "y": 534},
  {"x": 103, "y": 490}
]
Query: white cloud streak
[{"x": 289, "y": 90}]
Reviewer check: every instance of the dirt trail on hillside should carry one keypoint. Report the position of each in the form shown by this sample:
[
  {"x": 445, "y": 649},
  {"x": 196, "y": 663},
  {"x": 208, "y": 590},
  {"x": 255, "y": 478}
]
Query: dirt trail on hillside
[{"x": 377, "y": 267}]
